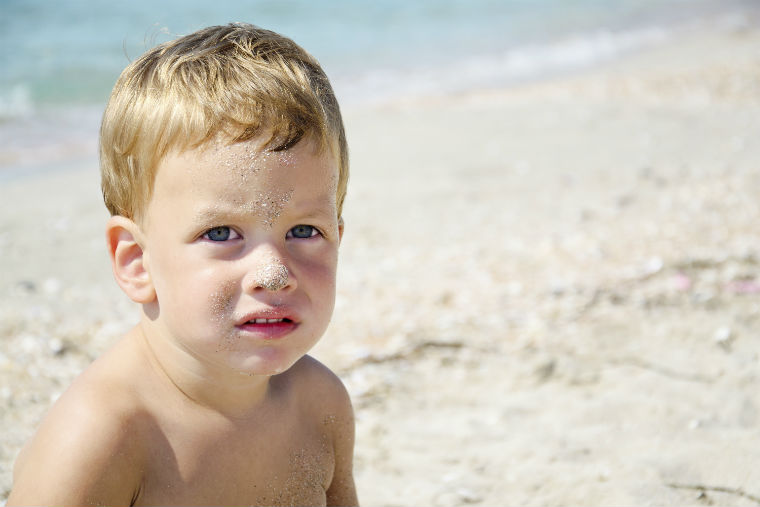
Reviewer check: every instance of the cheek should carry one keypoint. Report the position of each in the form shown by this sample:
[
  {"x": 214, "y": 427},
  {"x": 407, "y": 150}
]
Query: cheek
[
  {"x": 221, "y": 302},
  {"x": 319, "y": 263},
  {"x": 321, "y": 280},
  {"x": 188, "y": 291}
]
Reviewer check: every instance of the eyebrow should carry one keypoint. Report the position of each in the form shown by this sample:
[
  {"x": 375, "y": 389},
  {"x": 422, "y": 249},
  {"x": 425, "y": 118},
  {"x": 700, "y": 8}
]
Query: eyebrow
[
  {"x": 216, "y": 212},
  {"x": 319, "y": 207}
]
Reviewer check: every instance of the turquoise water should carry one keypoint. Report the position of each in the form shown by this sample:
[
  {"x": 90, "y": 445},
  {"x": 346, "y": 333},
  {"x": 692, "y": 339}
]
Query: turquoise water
[{"x": 59, "y": 60}]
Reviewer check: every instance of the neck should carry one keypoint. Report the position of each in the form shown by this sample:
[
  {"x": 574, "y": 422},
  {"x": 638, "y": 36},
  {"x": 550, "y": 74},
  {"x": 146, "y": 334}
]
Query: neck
[{"x": 228, "y": 393}]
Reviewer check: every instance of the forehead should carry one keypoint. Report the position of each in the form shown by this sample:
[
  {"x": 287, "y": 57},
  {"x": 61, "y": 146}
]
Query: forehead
[
  {"x": 246, "y": 166},
  {"x": 243, "y": 178}
]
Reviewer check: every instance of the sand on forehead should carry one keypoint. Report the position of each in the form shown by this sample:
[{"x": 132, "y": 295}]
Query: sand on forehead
[{"x": 547, "y": 295}]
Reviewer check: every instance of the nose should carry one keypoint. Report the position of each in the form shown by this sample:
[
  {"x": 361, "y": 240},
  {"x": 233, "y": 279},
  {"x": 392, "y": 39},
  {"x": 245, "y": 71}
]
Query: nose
[{"x": 271, "y": 274}]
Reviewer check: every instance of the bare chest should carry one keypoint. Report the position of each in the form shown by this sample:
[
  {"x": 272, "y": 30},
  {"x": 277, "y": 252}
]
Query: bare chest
[{"x": 289, "y": 463}]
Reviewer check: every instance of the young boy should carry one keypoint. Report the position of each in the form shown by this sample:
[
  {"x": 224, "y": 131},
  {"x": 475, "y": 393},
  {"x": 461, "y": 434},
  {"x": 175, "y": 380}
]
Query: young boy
[{"x": 224, "y": 166}]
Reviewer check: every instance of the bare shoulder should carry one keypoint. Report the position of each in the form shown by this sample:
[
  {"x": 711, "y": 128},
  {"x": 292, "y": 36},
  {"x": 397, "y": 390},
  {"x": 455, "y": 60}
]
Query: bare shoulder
[
  {"x": 320, "y": 388},
  {"x": 87, "y": 450},
  {"x": 329, "y": 403}
]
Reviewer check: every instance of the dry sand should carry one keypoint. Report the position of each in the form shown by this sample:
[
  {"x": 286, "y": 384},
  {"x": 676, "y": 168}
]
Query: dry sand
[{"x": 548, "y": 295}]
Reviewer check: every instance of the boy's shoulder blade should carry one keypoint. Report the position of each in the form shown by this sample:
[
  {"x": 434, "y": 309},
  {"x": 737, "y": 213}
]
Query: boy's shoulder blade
[{"x": 87, "y": 450}]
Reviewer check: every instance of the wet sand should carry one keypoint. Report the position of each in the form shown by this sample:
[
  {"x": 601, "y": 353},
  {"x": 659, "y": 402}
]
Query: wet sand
[{"x": 547, "y": 294}]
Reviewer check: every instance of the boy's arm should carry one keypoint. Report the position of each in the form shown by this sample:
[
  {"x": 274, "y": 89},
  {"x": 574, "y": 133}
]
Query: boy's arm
[
  {"x": 81, "y": 455},
  {"x": 342, "y": 490}
]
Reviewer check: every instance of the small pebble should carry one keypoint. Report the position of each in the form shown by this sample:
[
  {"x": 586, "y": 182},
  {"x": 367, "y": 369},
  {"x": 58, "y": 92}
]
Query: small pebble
[
  {"x": 52, "y": 286},
  {"x": 57, "y": 346},
  {"x": 467, "y": 495},
  {"x": 723, "y": 336},
  {"x": 27, "y": 285},
  {"x": 682, "y": 282},
  {"x": 653, "y": 265}
]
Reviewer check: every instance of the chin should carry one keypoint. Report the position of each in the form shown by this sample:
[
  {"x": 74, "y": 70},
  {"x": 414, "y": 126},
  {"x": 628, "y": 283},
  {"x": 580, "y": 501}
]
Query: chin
[{"x": 268, "y": 366}]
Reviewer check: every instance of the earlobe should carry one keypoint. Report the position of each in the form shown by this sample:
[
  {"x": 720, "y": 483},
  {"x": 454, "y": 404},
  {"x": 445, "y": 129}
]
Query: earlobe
[
  {"x": 128, "y": 259},
  {"x": 341, "y": 227}
]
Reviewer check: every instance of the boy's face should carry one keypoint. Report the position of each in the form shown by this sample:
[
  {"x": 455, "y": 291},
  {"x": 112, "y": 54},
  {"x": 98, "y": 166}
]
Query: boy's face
[{"x": 242, "y": 247}]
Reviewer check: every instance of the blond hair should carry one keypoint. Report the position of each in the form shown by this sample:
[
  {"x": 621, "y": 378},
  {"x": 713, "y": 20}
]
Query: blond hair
[{"x": 235, "y": 82}]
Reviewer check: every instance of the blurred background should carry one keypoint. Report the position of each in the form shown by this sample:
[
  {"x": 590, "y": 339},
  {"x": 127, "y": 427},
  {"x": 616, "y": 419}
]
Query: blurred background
[{"x": 59, "y": 60}]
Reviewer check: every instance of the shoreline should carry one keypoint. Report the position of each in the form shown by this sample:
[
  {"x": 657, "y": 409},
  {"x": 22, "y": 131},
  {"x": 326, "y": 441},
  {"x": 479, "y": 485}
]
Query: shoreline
[{"x": 70, "y": 132}]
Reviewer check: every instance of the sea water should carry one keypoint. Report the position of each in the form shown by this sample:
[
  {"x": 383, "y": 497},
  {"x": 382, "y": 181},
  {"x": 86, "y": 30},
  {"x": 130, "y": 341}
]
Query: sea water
[{"x": 59, "y": 59}]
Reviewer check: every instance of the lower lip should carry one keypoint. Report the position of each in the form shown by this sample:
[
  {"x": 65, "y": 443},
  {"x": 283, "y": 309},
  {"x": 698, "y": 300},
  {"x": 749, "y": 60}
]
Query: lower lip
[{"x": 269, "y": 331}]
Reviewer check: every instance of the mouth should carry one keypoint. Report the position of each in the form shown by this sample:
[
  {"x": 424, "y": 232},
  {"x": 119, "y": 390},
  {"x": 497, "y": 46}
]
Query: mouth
[
  {"x": 266, "y": 327},
  {"x": 268, "y": 321}
]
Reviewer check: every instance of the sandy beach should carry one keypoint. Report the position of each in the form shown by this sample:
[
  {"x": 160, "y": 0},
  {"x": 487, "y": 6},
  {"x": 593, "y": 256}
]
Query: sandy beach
[{"x": 547, "y": 295}]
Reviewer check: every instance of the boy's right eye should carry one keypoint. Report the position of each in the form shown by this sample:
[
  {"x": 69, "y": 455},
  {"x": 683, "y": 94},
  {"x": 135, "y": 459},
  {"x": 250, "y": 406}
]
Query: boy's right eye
[{"x": 220, "y": 234}]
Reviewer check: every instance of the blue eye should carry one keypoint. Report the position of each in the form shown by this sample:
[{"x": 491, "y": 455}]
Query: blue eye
[
  {"x": 302, "y": 231},
  {"x": 218, "y": 234}
]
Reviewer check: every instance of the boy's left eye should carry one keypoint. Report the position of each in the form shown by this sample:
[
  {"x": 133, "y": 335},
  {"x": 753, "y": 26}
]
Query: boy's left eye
[{"x": 302, "y": 231}]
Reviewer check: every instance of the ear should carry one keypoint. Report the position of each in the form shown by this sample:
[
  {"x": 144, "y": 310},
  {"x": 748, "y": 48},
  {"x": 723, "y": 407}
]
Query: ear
[
  {"x": 341, "y": 227},
  {"x": 128, "y": 259}
]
